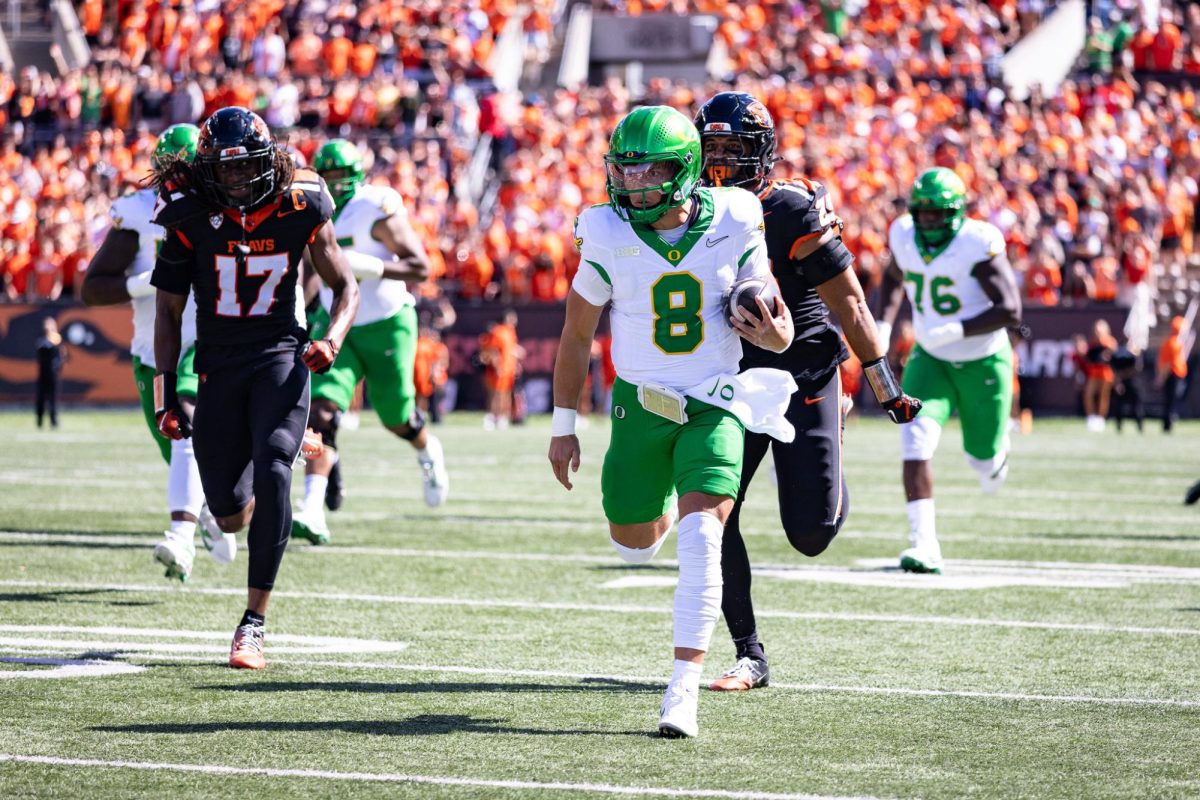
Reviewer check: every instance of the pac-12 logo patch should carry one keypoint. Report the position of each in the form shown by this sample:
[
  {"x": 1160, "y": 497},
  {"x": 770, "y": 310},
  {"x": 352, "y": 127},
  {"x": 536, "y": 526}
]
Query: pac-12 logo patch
[{"x": 215, "y": 220}]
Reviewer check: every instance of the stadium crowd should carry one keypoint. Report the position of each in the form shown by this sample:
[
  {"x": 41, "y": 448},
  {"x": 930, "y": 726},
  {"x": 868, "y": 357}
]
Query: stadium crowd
[{"x": 1093, "y": 185}]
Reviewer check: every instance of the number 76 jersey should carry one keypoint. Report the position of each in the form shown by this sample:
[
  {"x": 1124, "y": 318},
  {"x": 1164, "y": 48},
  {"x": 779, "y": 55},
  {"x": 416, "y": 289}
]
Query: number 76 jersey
[
  {"x": 943, "y": 289},
  {"x": 668, "y": 319}
]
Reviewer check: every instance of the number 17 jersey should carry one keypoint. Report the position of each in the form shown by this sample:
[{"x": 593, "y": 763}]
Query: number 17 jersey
[{"x": 245, "y": 300}]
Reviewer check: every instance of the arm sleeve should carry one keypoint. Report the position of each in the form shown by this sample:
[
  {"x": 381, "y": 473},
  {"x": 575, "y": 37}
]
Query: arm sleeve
[
  {"x": 819, "y": 221},
  {"x": 593, "y": 281},
  {"x": 173, "y": 267}
]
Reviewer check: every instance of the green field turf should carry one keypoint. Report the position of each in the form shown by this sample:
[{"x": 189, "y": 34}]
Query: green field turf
[{"x": 498, "y": 648}]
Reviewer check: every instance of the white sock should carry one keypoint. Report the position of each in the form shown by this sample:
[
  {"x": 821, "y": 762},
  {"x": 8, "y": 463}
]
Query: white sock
[
  {"x": 987, "y": 467},
  {"x": 921, "y": 525},
  {"x": 314, "y": 494},
  {"x": 698, "y": 595},
  {"x": 184, "y": 491},
  {"x": 687, "y": 674},
  {"x": 182, "y": 529},
  {"x": 431, "y": 452}
]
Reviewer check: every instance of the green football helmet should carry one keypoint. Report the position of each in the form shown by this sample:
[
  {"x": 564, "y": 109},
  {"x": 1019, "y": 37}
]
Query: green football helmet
[
  {"x": 937, "y": 190},
  {"x": 177, "y": 140},
  {"x": 654, "y": 145},
  {"x": 341, "y": 157}
]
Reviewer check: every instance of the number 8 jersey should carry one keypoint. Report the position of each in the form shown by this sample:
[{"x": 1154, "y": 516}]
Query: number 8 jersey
[
  {"x": 943, "y": 288},
  {"x": 243, "y": 298},
  {"x": 668, "y": 317}
]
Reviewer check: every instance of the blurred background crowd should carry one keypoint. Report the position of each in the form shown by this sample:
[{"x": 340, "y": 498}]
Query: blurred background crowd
[{"x": 1094, "y": 184}]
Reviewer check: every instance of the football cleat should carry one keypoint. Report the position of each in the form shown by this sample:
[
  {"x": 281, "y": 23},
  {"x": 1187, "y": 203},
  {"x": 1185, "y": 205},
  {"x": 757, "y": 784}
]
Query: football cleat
[
  {"x": 433, "y": 473},
  {"x": 176, "y": 554},
  {"x": 1193, "y": 494},
  {"x": 220, "y": 545},
  {"x": 748, "y": 673},
  {"x": 923, "y": 560},
  {"x": 247, "y": 649},
  {"x": 335, "y": 489},
  {"x": 677, "y": 716},
  {"x": 307, "y": 526}
]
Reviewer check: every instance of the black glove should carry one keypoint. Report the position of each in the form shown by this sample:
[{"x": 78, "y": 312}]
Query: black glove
[{"x": 902, "y": 409}]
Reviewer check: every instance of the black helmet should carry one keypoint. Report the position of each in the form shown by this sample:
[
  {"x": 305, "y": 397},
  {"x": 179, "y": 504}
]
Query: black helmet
[
  {"x": 741, "y": 115},
  {"x": 231, "y": 135}
]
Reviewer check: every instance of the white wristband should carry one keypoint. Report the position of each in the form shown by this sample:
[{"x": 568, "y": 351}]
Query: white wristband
[
  {"x": 139, "y": 285},
  {"x": 363, "y": 265},
  {"x": 563, "y": 422}
]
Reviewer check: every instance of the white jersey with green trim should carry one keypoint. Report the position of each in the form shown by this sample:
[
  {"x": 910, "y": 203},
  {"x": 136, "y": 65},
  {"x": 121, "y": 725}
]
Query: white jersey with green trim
[
  {"x": 668, "y": 319},
  {"x": 943, "y": 289},
  {"x": 133, "y": 212},
  {"x": 379, "y": 298}
]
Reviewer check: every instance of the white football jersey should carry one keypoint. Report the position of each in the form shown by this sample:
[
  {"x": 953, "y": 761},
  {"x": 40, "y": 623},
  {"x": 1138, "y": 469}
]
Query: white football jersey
[
  {"x": 133, "y": 212},
  {"x": 668, "y": 319},
  {"x": 379, "y": 298},
  {"x": 943, "y": 289}
]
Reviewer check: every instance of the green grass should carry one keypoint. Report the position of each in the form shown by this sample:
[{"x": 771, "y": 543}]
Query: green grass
[{"x": 1062, "y": 662}]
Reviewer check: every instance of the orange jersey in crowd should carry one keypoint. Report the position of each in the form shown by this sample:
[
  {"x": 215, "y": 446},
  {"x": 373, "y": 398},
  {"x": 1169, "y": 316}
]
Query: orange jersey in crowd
[
  {"x": 498, "y": 349},
  {"x": 430, "y": 366},
  {"x": 1172, "y": 356}
]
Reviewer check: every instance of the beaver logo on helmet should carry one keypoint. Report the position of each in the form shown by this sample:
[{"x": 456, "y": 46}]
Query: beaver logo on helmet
[
  {"x": 229, "y": 137},
  {"x": 741, "y": 116}
]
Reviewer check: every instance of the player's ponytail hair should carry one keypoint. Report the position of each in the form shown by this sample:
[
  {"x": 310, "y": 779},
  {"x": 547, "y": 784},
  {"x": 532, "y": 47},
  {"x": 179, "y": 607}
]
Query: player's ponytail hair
[
  {"x": 285, "y": 170},
  {"x": 170, "y": 171}
]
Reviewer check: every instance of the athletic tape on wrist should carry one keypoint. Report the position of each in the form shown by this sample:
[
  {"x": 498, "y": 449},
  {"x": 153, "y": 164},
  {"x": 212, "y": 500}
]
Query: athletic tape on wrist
[
  {"x": 563, "y": 422},
  {"x": 883, "y": 382}
]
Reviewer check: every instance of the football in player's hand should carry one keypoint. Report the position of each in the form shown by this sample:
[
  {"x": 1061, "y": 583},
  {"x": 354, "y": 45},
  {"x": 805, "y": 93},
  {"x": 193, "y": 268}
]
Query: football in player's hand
[{"x": 740, "y": 298}]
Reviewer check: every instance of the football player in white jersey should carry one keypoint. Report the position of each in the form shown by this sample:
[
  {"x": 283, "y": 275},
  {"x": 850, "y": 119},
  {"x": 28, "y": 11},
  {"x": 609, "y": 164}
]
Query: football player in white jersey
[
  {"x": 120, "y": 273},
  {"x": 384, "y": 251},
  {"x": 663, "y": 252},
  {"x": 955, "y": 273}
]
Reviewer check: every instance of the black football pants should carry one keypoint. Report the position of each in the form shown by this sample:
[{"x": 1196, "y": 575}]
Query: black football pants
[
  {"x": 247, "y": 430},
  {"x": 813, "y": 500}
]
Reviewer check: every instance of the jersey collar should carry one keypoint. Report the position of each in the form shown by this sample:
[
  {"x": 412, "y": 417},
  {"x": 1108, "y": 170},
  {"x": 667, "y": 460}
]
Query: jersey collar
[{"x": 675, "y": 253}]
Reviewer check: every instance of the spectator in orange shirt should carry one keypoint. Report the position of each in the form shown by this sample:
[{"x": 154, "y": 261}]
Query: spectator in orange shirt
[
  {"x": 1098, "y": 376},
  {"x": 1172, "y": 369},
  {"x": 501, "y": 357},
  {"x": 431, "y": 370}
]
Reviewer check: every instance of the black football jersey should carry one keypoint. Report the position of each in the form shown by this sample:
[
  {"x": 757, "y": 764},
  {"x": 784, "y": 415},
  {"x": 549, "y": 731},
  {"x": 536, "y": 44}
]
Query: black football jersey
[
  {"x": 242, "y": 268},
  {"x": 797, "y": 215}
]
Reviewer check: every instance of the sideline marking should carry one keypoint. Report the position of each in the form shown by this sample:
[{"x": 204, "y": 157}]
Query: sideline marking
[
  {"x": 598, "y": 608},
  {"x": 436, "y": 780},
  {"x": 66, "y": 668}
]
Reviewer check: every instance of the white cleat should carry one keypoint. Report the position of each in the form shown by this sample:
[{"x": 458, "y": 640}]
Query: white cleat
[
  {"x": 923, "y": 560},
  {"x": 220, "y": 545},
  {"x": 433, "y": 473},
  {"x": 311, "y": 527},
  {"x": 176, "y": 554},
  {"x": 680, "y": 708}
]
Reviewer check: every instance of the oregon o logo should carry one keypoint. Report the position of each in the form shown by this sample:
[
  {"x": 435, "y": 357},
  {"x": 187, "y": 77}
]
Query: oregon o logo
[
  {"x": 619, "y": 412},
  {"x": 674, "y": 255}
]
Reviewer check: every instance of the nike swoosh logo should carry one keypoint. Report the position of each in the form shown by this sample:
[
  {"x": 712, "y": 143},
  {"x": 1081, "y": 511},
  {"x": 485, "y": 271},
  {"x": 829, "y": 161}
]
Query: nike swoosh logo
[
  {"x": 812, "y": 401},
  {"x": 283, "y": 213},
  {"x": 712, "y": 242}
]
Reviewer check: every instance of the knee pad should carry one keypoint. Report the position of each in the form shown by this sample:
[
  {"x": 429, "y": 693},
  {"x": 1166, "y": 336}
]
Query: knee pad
[
  {"x": 416, "y": 424},
  {"x": 919, "y": 439},
  {"x": 698, "y": 595},
  {"x": 638, "y": 555}
]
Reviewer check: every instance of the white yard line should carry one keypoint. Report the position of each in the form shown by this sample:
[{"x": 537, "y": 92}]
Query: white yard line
[
  {"x": 661, "y": 680},
  {"x": 291, "y": 643},
  {"x": 396, "y": 777},
  {"x": 66, "y": 668},
  {"x": 905, "y": 619}
]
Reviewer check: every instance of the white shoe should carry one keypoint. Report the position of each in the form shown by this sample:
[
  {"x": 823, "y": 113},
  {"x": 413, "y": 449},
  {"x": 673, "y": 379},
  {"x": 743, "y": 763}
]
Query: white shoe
[
  {"x": 677, "y": 716},
  {"x": 176, "y": 554},
  {"x": 992, "y": 483},
  {"x": 489, "y": 422},
  {"x": 311, "y": 527},
  {"x": 220, "y": 545},
  {"x": 922, "y": 560},
  {"x": 433, "y": 472}
]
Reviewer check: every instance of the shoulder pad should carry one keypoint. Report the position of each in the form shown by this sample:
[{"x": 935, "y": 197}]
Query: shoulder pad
[
  {"x": 385, "y": 198},
  {"x": 315, "y": 193},
  {"x": 173, "y": 207}
]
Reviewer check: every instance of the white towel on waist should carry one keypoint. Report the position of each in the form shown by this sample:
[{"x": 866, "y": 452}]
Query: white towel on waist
[{"x": 759, "y": 397}]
